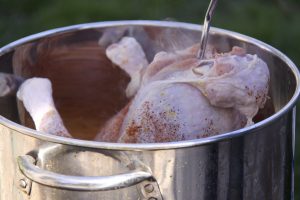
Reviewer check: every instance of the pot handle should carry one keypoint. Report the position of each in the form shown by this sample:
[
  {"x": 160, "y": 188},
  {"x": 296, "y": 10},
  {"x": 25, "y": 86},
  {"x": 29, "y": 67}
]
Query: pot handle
[{"x": 83, "y": 183}]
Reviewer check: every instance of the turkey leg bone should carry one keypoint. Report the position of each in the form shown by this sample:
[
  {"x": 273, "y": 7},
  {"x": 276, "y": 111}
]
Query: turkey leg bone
[{"x": 36, "y": 94}]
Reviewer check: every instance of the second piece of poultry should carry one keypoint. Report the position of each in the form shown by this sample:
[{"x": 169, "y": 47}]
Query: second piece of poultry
[{"x": 181, "y": 97}]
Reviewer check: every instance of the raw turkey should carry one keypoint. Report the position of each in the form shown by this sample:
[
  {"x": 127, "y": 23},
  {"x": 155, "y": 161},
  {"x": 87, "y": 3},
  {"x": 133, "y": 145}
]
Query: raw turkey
[{"x": 175, "y": 97}]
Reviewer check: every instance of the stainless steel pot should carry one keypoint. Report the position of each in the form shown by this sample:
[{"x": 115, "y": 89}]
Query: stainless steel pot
[{"x": 255, "y": 162}]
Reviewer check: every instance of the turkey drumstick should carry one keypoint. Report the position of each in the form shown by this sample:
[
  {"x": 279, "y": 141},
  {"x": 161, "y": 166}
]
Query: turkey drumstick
[{"x": 36, "y": 94}]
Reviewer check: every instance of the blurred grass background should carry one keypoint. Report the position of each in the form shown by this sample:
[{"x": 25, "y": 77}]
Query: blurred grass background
[{"x": 276, "y": 22}]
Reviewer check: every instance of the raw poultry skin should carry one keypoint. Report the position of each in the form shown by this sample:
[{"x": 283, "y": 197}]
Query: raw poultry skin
[
  {"x": 176, "y": 97},
  {"x": 36, "y": 94},
  {"x": 180, "y": 97}
]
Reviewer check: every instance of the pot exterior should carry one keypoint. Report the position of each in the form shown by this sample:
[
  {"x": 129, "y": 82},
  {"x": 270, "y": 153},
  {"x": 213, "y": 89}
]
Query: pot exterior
[{"x": 254, "y": 166}]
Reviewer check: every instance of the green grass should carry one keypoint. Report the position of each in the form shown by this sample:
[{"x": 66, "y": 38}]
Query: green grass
[{"x": 276, "y": 22}]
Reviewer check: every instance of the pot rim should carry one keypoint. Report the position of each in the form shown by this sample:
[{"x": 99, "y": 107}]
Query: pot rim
[{"x": 152, "y": 146}]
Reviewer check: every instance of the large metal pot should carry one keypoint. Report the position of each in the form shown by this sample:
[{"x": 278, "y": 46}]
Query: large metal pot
[{"x": 255, "y": 162}]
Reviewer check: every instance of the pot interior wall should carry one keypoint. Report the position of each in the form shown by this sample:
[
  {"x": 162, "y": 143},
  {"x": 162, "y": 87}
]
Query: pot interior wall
[{"x": 88, "y": 89}]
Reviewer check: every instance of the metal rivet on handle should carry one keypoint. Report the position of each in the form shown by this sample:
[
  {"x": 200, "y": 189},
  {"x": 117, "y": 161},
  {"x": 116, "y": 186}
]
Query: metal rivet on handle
[
  {"x": 149, "y": 188},
  {"x": 23, "y": 183}
]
